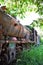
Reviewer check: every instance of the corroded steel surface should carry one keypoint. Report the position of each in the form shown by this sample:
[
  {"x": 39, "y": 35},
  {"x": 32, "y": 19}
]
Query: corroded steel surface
[{"x": 10, "y": 26}]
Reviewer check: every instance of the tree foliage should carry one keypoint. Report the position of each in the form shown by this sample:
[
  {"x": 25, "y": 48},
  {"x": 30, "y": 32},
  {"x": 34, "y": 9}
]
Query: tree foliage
[{"x": 19, "y": 7}]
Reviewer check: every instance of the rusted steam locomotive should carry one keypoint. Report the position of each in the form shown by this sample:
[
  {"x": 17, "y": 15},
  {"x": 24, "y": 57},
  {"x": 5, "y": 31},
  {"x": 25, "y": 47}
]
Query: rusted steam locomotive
[{"x": 13, "y": 36}]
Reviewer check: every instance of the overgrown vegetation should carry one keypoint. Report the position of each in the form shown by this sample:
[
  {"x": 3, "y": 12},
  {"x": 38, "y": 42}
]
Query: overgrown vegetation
[{"x": 32, "y": 57}]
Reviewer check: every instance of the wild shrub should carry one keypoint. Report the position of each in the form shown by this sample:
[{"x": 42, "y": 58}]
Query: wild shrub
[{"x": 32, "y": 57}]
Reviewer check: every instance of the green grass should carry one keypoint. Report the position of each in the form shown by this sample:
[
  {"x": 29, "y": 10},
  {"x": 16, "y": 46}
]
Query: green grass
[{"x": 32, "y": 57}]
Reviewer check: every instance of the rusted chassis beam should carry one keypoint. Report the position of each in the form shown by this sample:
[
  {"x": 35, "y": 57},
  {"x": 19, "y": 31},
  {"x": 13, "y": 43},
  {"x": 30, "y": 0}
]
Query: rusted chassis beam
[{"x": 17, "y": 42}]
